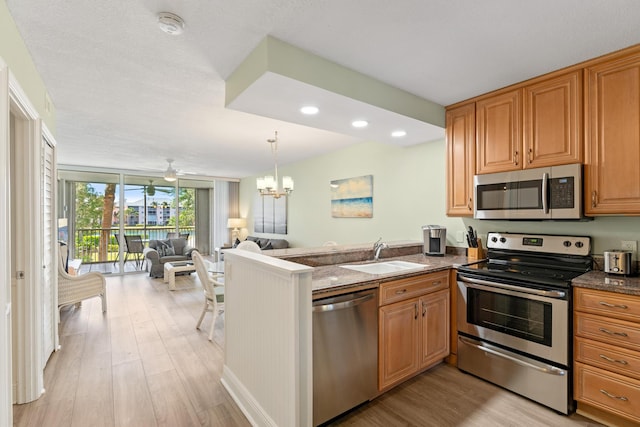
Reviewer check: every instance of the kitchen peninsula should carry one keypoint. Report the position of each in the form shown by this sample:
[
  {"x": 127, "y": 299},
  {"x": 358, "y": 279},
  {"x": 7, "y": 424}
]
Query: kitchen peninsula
[{"x": 268, "y": 335}]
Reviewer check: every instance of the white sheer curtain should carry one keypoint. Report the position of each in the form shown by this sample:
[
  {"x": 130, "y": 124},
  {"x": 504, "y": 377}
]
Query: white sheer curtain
[{"x": 226, "y": 204}]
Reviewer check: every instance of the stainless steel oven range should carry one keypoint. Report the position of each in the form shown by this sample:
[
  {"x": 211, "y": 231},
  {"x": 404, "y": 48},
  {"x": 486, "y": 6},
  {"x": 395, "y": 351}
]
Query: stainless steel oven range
[{"x": 514, "y": 314}]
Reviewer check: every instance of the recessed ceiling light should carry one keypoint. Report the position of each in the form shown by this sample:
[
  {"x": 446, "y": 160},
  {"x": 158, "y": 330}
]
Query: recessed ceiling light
[
  {"x": 170, "y": 23},
  {"x": 309, "y": 110},
  {"x": 398, "y": 133},
  {"x": 359, "y": 123}
]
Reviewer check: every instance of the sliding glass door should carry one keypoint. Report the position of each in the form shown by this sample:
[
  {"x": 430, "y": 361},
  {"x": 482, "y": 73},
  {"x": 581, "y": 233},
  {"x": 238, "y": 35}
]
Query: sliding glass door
[{"x": 111, "y": 217}]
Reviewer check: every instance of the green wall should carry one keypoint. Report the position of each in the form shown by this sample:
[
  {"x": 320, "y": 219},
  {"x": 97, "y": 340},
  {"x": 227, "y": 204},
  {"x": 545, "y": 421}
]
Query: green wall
[
  {"x": 409, "y": 192},
  {"x": 15, "y": 54}
]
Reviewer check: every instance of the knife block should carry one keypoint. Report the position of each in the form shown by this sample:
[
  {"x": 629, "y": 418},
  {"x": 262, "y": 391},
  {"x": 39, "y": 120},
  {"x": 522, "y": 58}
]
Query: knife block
[{"x": 476, "y": 253}]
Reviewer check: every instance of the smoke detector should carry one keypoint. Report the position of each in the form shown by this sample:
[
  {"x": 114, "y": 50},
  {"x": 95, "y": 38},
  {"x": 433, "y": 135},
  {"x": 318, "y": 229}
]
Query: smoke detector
[{"x": 170, "y": 23}]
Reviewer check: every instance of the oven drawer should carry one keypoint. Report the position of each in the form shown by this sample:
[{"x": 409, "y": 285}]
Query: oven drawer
[
  {"x": 614, "y": 359},
  {"x": 612, "y": 331},
  {"x": 608, "y": 391},
  {"x": 402, "y": 289},
  {"x": 625, "y": 307},
  {"x": 542, "y": 382}
]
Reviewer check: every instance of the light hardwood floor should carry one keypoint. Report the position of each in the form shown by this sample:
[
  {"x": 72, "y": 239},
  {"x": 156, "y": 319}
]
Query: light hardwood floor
[{"x": 143, "y": 363}]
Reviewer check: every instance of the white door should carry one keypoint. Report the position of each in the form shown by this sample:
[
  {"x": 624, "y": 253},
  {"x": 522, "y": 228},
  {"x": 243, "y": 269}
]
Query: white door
[{"x": 48, "y": 261}]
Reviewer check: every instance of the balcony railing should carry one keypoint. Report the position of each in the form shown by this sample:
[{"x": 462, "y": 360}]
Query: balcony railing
[{"x": 87, "y": 241}]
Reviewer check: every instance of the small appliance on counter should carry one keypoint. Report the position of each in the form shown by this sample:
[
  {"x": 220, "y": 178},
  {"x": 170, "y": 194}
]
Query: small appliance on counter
[
  {"x": 619, "y": 261},
  {"x": 435, "y": 240}
]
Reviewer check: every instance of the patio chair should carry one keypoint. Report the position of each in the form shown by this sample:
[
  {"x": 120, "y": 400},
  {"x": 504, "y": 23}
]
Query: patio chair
[
  {"x": 75, "y": 289},
  {"x": 120, "y": 243},
  {"x": 213, "y": 290},
  {"x": 172, "y": 235},
  {"x": 135, "y": 247}
]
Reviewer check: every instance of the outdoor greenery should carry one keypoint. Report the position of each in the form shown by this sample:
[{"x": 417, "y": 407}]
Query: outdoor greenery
[{"x": 95, "y": 239}]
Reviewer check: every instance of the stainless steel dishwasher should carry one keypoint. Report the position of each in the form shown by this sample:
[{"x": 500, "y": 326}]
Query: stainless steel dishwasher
[{"x": 345, "y": 353}]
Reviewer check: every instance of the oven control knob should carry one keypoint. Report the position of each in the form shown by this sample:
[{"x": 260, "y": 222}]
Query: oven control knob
[
  {"x": 494, "y": 239},
  {"x": 579, "y": 244},
  {"x": 566, "y": 243},
  {"x": 503, "y": 240}
]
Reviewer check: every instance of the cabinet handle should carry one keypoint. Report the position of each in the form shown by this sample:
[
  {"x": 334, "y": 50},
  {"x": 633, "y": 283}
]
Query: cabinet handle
[
  {"x": 608, "y": 359},
  {"x": 606, "y": 304},
  {"x": 606, "y": 331},
  {"x": 416, "y": 308},
  {"x": 515, "y": 157},
  {"x": 401, "y": 291},
  {"x": 469, "y": 204},
  {"x": 530, "y": 155},
  {"x": 424, "y": 309},
  {"x": 593, "y": 199},
  {"x": 613, "y": 396}
]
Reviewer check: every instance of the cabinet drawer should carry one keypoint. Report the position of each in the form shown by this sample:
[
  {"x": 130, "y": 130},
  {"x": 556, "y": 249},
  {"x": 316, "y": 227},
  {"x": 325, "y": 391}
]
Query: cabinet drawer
[
  {"x": 611, "y": 304},
  {"x": 410, "y": 287},
  {"x": 608, "y": 391},
  {"x": 608, "y": 330},
  {"x": 611, "y": 358}
]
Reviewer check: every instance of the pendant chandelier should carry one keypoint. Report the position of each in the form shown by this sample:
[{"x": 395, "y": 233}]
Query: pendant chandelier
[{"x": 268, "y": 185}]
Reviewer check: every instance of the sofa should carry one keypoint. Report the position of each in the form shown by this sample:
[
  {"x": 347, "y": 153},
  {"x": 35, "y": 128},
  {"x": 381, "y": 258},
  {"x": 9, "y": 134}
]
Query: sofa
[
  {"x": 266, "y": 243},
  {"x": 161, "y": 251}
]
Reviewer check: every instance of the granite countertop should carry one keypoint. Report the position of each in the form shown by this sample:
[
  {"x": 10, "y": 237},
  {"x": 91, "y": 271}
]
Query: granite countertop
[
  {"x": 331, "y": 278},
  {"x": 608, "y": 282}
]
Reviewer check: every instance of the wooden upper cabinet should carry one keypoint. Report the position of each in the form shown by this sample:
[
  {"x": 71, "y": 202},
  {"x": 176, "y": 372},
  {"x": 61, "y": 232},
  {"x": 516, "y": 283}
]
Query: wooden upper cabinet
[
  {"x": 461, "y": 159},
  {"x": 552, "y": 124},
  {"x": 612, "y": 141},
  {"x": 498, "y": 132}
]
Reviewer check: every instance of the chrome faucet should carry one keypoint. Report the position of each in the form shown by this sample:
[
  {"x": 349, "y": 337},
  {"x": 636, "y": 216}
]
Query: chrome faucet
[{"x": 377, "y": 247}]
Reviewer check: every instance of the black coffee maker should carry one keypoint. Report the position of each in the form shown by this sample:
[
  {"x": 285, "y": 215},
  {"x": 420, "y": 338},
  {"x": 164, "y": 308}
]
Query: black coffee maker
[{"x": 435, "y": 240}]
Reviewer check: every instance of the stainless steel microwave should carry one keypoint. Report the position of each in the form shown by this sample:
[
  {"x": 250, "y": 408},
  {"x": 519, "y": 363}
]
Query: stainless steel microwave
[{"x": 543, "y": 193}]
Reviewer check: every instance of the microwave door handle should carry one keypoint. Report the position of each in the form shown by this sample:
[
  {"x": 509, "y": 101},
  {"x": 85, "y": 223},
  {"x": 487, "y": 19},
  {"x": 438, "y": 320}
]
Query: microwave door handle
[{"x": 545, "y": 193}]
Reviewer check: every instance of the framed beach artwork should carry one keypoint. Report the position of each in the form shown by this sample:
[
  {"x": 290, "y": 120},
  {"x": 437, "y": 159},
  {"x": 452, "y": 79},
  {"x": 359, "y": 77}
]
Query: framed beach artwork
[{"x": 352, "y": 197}]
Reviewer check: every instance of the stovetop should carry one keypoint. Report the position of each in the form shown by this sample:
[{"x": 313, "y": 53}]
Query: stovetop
[
  {"x": 523, "y": 274},
  {"x": 533, "y": 266}
]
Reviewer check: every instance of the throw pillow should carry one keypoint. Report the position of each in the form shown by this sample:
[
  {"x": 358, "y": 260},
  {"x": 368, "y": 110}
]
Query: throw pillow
[
  {"x": 267, "y": 247},
  {"x": 165, "y": 249},
  {"x": 236, "y": 243}
]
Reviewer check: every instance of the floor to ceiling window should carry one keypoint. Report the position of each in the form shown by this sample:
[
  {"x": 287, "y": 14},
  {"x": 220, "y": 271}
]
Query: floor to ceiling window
[{"x": 111, "y": 217}]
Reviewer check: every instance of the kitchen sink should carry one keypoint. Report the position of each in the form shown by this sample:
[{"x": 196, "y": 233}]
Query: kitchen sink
[{"x": 385, "y": 267}]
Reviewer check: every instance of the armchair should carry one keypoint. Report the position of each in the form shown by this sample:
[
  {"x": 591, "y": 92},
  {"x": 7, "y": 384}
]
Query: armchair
[
  {"x": 161, "y": 251},
  {"x": 74, "y": 289}
]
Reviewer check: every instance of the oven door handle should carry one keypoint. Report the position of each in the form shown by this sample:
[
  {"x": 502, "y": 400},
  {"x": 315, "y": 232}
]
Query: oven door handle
[
  {"x": 550, "y": 294},
  {"x": 547, "y": 369}
]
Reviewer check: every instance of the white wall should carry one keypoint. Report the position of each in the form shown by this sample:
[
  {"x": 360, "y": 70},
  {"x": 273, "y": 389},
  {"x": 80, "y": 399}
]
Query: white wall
[{"x": 409, "y": 192}]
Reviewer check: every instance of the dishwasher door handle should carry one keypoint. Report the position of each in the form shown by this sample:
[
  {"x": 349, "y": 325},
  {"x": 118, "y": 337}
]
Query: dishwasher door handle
[{"x": 343, "y": 304}]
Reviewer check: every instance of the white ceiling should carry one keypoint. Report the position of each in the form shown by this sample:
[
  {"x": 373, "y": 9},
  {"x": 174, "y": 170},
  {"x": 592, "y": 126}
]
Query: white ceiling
[{"x": 129, "y": 96}]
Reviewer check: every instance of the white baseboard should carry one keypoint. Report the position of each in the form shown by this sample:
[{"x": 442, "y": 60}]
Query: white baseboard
[{"x": 249, "y": 406}]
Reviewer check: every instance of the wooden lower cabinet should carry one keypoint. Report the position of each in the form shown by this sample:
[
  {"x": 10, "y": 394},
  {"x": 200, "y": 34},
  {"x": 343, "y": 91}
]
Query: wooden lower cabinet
[
  {"x": 607, "y": 356},
  {"x": 413, "y": 333}
]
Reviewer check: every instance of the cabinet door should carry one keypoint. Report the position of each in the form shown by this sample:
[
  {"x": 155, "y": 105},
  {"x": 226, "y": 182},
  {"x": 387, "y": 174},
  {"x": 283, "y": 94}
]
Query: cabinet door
[
  {"x": 498, "y": 133},
  {"x": 398, "y": 335},
  {"x": 612, "y": 106},
  {"x": 461, "y": 160},
  {"x": 435, "y": 328},
  {"x": 553, "y": 121}
]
